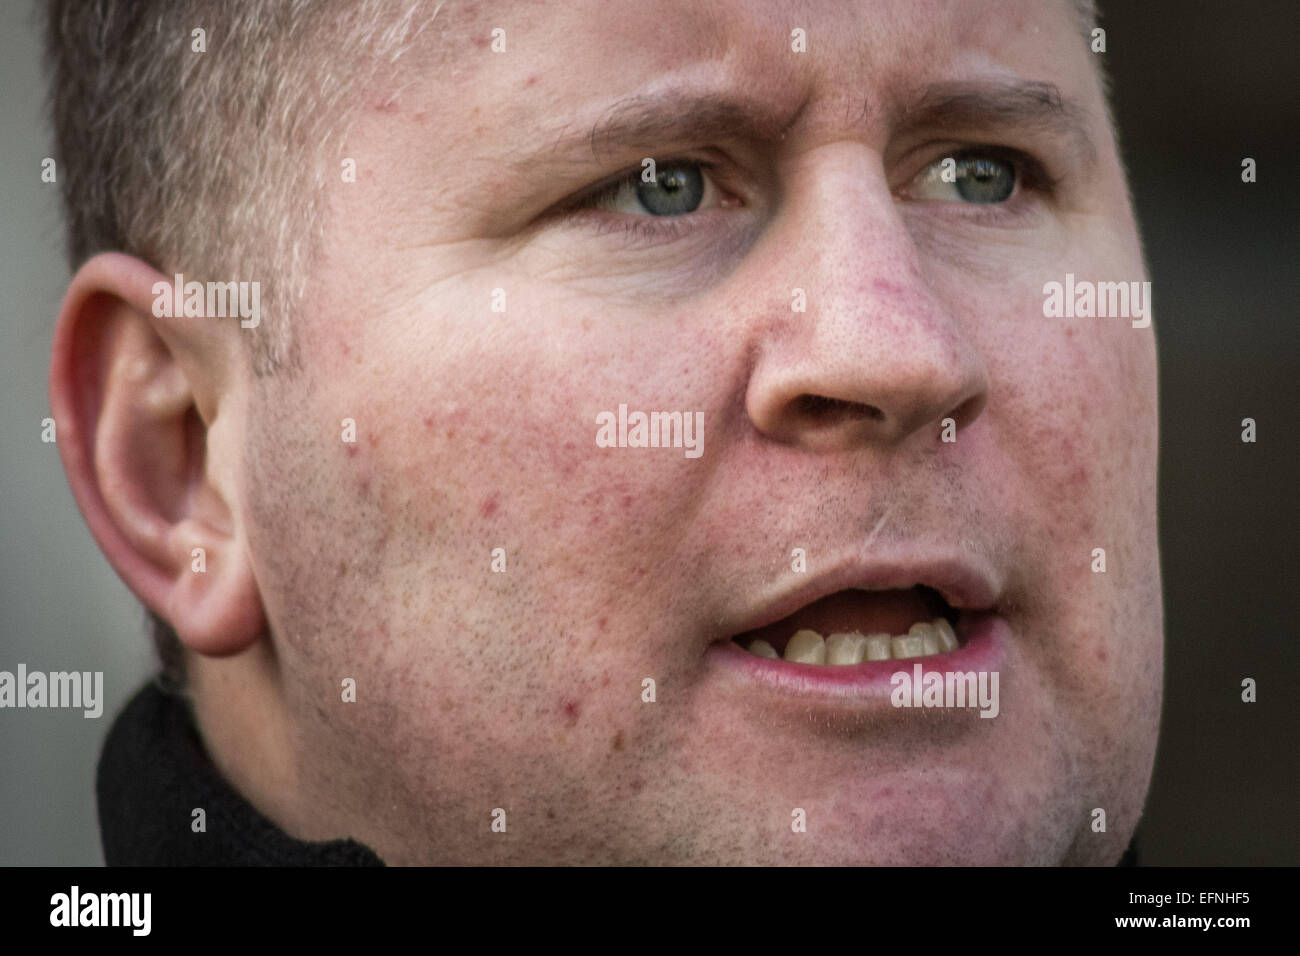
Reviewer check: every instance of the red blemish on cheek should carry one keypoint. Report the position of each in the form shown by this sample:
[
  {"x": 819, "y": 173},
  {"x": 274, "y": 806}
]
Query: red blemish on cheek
[
  {"x": 884, "y": 285},
  {"x": 602, "y": 623},
  {"x": 1077, "y": 475},
  {"x": 489, "y": 506},
  {"x": 373, "y": 439},
  {"x": 565, "y": 459},
  {"x": 531, "y": 81},
  {"x": 352, "y": 451},
  {"x": 428, "y": 421},
  {"x": 571, "y": 711},
  {"x": 627, "y": 501}
]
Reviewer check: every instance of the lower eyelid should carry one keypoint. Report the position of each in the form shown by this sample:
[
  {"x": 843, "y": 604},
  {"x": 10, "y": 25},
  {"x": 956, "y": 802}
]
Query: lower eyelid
[
  {"x": 607, "y": 221},
  {"x": 644, "y": 227},
  {"x": 652, "y": 230},
  {"x": 1018, "y": 211}
]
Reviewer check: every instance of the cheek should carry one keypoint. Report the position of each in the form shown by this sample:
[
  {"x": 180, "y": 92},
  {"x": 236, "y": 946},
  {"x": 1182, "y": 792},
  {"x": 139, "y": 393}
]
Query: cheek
[
  {"x": 1072, "y": 426},
  {"x": 318, "y": 512},
  {"x": 478, "y": 434},
  {"x": 1072, "y": 405}
]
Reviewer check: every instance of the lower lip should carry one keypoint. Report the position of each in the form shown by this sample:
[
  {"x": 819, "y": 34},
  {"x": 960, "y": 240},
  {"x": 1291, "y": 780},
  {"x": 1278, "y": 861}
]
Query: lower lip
[{"x": 984, "y": 640}]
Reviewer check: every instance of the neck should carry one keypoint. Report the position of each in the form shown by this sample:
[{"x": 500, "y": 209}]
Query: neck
[{"x": 240, "y": 710}]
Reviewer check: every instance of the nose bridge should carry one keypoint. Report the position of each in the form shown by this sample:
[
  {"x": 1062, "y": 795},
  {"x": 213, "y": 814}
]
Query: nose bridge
[
  {"x": 874, "y": 353},
  {"x": 863, "y": 275}
]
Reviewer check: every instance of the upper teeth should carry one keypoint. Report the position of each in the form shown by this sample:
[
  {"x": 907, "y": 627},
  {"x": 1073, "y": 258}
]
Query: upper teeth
[{"x": 806, "y": 646}]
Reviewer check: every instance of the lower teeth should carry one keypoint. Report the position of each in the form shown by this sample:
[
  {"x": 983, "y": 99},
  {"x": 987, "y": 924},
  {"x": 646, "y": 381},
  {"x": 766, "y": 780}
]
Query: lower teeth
[{"x": 924, "y": 639}]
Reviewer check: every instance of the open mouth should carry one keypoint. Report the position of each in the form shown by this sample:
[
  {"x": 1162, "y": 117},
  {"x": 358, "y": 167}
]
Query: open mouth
[{"x": 855, "y": 626}]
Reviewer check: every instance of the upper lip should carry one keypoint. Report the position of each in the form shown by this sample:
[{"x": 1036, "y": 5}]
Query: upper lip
[{"x": 963, "y": 581}]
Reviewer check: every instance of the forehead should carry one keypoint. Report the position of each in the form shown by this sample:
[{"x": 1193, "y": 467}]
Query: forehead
[
  {"x": 627, "y": 42},
  {"x": 492, "y": 86}
]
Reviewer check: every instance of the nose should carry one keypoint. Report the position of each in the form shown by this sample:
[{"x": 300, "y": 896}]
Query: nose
[{"x": 876, "y": 357}]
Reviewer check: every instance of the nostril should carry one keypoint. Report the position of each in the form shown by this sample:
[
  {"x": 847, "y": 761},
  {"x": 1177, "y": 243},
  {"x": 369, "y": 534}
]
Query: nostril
[
  {"x": 825, "y": 410},
  {"x": 967, "y": 411}
]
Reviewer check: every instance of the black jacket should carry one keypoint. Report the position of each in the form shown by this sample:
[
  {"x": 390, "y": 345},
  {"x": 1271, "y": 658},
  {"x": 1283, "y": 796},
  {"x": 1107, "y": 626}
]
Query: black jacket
[{"x": 154, "y": 773}]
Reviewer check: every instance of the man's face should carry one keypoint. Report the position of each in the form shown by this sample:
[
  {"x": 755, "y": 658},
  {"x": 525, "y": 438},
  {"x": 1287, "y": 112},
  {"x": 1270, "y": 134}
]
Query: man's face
[{"x": 823, "y": 430}]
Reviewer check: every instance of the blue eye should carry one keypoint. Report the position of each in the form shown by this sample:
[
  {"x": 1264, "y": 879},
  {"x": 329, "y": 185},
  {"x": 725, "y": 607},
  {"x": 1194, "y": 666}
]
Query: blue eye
[
  {"x": 979, "y": 178},
  {"x": 680, "y": 188},
  {"x": 984, "y": 180},
  {"x": 677, "y": 190}
]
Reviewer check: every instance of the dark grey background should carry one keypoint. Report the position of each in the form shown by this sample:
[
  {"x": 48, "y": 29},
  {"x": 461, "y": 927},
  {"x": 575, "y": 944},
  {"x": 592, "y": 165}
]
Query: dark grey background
[
  {"x": 61, "y": 606},
  {"x": 1198, "y": 87}
]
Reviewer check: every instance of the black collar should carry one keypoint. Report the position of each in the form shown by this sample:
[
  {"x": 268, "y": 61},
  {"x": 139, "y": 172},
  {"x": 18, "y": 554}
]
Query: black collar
[{"x": 153, "y": 775}]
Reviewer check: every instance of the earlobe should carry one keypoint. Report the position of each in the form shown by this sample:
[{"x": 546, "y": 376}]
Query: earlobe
[
  {"x": 213, "y": 603},
  {"x": 137, "y": 454}
]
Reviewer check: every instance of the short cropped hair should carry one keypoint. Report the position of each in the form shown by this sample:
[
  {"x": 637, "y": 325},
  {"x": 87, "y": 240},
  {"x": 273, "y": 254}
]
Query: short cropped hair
[{"x": 206, "y": 153}]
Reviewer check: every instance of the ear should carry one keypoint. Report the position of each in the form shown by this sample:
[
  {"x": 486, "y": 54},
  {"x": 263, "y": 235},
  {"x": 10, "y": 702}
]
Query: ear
[{"x": 136, "y": 400}]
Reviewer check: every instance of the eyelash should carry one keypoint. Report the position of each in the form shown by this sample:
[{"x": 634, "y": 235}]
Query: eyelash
[
  {"x": 586, "y": 205},
  {"x": 1031, "y": 175}
]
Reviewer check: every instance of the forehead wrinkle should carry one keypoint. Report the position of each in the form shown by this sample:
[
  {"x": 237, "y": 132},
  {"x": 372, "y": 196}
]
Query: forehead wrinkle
[
  {"x": 730, "y": 109},
  {"x": 678, "y": 114},
  {"x": 660, "y": 120},
  {"x": 681, "y": 115}
]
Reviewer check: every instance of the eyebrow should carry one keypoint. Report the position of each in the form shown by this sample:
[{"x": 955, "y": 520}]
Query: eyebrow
[
  {"x": 674, "y": 115},
  {"x": 681, "y": 116},
  {"x": 999, "y": 104}
]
